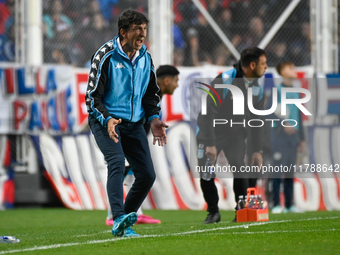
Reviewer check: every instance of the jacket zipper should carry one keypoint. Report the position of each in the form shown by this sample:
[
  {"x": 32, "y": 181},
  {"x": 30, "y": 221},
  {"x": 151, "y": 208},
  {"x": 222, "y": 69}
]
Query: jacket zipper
[
  {"x": 133, "y": 84},
  {"x": 133, "y": 90}
]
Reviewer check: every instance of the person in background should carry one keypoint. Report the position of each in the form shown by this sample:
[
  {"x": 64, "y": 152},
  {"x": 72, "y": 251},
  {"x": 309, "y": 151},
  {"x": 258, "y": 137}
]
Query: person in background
[
  {"x": 167, "y": 80},
  {"x": 191, "y": 51},
  {"x": 122, "y": 93},
  {"x": 57, "y": 22},
  {"x": 231, "y": 138},
  {"x": 286, "y": 141}
]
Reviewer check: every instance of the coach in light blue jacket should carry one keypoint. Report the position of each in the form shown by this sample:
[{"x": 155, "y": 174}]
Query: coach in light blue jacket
[{"x": 122, "y": 94}]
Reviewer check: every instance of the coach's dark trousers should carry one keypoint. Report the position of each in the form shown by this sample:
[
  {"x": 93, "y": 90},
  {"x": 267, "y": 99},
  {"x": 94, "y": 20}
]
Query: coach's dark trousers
[
  {"x": 234, "y": 149},
  {"x": 134, "y": 146}
]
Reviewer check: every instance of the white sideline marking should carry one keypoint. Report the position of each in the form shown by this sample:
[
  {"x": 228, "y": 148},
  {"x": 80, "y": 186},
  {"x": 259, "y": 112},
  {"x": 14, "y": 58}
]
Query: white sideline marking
[
  {"x": 274, "y": 232},
  {"x": 101, "y": 232},
  {"x": 53, "y": 246}
]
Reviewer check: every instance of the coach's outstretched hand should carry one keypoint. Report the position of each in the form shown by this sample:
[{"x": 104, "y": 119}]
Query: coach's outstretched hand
[
  {"x": 158, "y": 131},
  {"x": 111, "y": 128}
]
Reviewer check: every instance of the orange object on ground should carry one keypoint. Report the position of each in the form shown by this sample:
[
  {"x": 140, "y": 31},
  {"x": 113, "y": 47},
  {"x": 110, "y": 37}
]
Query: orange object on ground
[{"x": 246, "y": 214}]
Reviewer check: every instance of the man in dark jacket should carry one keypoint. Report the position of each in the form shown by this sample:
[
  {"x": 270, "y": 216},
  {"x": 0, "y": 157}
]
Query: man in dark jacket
[{"x": 231, "y": 136}]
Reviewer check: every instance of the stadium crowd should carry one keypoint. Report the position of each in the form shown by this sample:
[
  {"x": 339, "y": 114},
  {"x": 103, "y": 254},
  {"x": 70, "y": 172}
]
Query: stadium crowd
[
  {"x": 245, "y": 23},
  {"x": 73, "y": 29}
]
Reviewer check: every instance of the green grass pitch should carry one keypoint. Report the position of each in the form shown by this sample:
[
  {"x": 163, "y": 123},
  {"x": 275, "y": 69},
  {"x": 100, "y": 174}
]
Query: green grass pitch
[{"x": 63, "y": 231}]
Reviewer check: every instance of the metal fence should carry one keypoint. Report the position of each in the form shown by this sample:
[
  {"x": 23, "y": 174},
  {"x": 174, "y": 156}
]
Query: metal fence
[
  {"x": 245, "y": 24},
  {"x": 73, "y": 30}
]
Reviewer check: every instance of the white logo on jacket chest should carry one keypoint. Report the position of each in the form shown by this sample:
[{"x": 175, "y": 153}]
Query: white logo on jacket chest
[{"x": 120, "y": 65}]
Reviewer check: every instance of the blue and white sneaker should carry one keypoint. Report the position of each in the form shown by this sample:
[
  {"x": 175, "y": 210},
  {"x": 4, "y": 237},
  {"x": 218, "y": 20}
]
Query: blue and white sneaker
[
  {"x": 129, "y": 232},
  {"x": 123, "y": 222}
]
